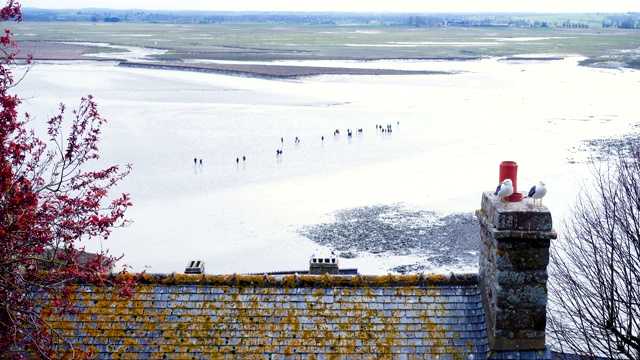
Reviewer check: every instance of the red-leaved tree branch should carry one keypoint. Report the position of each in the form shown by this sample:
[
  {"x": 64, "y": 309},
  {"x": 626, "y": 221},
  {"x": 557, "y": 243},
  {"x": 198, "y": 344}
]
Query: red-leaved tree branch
[{"x": 52, "y": 200}]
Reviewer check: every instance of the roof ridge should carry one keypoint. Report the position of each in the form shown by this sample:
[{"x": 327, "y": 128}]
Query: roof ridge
[{"x": 303, "y": 280}]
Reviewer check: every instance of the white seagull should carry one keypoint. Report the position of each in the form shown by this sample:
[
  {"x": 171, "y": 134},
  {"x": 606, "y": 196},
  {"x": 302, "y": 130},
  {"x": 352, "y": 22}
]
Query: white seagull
[
  {"x": 537, "y": 192},
  {"x": 504, "y": 189}
]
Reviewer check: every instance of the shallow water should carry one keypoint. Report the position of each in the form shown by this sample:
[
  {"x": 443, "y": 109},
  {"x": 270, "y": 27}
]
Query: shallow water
[{"x": 450, "y": 132}]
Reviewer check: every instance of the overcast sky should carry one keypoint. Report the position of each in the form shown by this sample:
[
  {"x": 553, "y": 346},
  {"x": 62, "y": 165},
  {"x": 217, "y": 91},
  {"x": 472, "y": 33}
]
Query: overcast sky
[{"x": 352, "y": 5}]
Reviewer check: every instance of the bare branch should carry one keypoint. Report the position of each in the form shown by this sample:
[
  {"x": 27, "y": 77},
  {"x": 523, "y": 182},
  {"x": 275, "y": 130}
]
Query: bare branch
[{"x": 595, "y": 268}]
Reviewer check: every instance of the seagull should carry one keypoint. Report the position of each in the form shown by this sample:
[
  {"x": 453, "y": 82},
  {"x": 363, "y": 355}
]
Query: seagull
[
  {"x": 537, "y": 192},
  {"x": 504, "y": 189}
]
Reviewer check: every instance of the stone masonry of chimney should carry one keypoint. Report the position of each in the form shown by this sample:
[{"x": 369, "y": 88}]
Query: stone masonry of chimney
[{"x": 513, "y": 272}]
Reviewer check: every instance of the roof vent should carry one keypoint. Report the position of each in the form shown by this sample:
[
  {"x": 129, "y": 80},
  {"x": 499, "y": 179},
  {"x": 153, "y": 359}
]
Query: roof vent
[
  {"x": 327, "y": 264},
  {"x": 195, "y": 267}
]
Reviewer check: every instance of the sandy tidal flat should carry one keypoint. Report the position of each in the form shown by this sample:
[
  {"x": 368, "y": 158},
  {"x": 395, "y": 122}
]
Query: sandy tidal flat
[{"x": 450, "y": 133}]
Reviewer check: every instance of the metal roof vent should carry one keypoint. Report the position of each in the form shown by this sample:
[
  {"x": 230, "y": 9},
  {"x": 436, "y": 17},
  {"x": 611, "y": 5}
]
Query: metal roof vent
[
  {"x": 195, "y": 267},
  {"x": 327, "y": 264}
]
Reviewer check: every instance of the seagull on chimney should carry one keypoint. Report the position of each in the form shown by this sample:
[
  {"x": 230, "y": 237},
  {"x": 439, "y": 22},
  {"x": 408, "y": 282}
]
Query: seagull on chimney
[
  {"x": 537, "y": 192},
  {"x": 504, "y": 189}
]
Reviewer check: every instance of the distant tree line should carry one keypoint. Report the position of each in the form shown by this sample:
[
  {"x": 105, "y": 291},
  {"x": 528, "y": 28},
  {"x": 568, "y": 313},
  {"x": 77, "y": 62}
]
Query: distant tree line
[
  {"x": 472, "y": 21},
  {"x": 623, "y": 21}
]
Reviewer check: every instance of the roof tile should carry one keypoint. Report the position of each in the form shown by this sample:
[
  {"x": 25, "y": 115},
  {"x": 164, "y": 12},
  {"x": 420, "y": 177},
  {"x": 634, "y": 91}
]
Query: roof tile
[{"x": 284, "y": 316}]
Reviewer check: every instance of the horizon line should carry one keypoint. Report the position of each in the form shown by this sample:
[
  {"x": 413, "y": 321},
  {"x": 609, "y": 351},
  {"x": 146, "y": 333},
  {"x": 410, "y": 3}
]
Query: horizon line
[{"x": 338, "y": 11}]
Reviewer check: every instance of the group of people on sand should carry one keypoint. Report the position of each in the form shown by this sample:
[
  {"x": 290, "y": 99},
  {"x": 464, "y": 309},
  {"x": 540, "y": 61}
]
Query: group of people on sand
[
  {"x": 296, "y": 141},
  {"x": 387, "y": 129},
  {"x": 336, "y": 132},
  {"x": 197, "y": 161}
]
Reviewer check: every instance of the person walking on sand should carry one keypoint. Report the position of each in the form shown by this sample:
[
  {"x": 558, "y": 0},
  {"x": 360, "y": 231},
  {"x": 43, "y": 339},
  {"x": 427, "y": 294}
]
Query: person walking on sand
[
  {"x": 200, "y": 162},
  {"x": 237, "y": 160},
  {"x": 195, "y": 160},
  {"x": 244, "y": 158}
]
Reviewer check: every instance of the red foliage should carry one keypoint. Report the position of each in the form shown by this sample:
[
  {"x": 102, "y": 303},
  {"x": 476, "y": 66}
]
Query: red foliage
[{"x": 49, "y": 203}]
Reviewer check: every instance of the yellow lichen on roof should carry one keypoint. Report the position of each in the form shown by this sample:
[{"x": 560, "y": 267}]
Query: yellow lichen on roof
[
  {"x": 309, "y": 280},
  {"x": 256, "y": 315}
]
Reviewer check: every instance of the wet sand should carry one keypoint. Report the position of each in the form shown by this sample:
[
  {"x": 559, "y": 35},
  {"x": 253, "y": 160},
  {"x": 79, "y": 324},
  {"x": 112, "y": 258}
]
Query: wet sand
[{"x": 340, "y": 194}]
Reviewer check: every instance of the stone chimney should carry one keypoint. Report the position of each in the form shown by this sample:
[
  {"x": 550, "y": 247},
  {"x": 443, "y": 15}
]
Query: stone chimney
[
  {"x": 513, "y": 273},
  {"x": 319, "y": 265}
]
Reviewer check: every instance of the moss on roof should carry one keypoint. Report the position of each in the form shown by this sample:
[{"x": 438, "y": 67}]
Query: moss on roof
[
  {"x": 281, "y": 317},
  {"x": 311, "y": 280}
]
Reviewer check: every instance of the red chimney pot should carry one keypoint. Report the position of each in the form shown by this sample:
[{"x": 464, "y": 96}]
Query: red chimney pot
[{"x": 509, "y": 170}]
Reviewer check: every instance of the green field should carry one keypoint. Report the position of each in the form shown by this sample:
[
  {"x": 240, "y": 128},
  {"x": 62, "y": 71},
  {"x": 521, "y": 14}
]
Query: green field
[{"x": 364, "y": 42}]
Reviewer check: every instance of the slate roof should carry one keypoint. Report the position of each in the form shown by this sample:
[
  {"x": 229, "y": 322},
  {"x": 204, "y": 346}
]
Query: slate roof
[{"x": 283, "y": 317}]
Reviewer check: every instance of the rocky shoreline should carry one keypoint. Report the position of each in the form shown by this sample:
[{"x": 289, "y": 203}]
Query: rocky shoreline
[
  {"x": 451, "y": 240},
  {"x": 603, "y": 148}
]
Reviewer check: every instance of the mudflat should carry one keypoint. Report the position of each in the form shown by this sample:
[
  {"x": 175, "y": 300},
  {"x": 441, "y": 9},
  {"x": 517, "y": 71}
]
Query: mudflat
[
  {"x": 272, "y": 71},
  {"x": 52, "y": 51}
]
